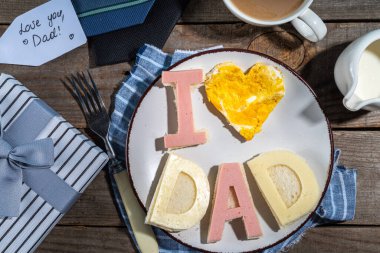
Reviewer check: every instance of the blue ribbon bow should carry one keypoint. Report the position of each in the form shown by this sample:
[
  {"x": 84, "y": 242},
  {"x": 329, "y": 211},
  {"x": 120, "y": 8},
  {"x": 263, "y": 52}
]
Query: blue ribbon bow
[
  {"x": 38, "y": 154},
  {"x": 23, "y": 159}
]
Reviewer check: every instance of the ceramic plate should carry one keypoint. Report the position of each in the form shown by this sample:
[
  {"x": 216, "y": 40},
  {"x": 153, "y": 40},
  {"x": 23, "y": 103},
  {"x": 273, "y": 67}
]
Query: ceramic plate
[{"x": 297, "y": 123}]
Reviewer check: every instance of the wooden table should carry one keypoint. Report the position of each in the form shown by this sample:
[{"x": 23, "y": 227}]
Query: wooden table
[{"x": 93, "y": 224}]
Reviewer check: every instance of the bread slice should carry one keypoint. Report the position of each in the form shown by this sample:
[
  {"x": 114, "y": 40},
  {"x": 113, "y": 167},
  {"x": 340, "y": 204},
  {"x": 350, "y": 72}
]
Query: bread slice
[{"x": 287, "y": 183}]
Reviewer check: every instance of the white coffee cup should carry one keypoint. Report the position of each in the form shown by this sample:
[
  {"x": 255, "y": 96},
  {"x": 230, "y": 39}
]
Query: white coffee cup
[{"x": 306, "y": 22}]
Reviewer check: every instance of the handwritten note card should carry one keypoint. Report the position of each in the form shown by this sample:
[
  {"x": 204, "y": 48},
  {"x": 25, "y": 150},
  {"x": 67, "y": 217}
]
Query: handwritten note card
[{"x": 42, "y": 34}]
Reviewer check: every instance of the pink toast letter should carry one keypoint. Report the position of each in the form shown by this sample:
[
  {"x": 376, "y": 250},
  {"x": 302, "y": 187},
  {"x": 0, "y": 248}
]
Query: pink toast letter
[
  {"x": 232, "y": 176},
  {"x": 186, "y": 134}
]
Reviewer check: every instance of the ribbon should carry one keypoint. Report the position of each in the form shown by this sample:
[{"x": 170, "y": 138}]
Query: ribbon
[
  {"x": 25, "y": 159},
  {"x": 38, "y": 154}
]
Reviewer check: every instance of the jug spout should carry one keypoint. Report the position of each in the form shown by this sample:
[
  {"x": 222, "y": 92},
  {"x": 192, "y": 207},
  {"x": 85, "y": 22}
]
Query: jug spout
[
  {"x": 352, "y": 103},
  {"x": 356, "y": 73}
]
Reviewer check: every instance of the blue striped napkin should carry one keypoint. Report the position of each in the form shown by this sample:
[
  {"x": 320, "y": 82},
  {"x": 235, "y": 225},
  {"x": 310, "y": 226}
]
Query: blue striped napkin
[{"x": 337, "y": 205}]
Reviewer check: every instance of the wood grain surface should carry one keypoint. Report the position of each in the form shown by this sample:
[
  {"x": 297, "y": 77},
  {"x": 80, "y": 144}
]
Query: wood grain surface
[
  {"x": 313, "y": 61},
  {"x": 95, "y": 207},
  {"x": 93, "y": 225},
  {"x": 200, "y": 11},
  {"x": 211, "y": 11},
  {"x": 335, "y": 239}
]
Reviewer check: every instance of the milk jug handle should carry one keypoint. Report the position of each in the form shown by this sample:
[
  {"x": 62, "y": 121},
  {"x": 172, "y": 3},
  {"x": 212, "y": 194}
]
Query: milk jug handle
[{"x": 310, "y": 25}]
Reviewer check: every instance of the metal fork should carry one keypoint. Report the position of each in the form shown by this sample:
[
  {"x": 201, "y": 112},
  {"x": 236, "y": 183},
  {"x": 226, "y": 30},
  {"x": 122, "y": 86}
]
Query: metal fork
[
  {"x": 87, "y": 95},
  {"x": 85, "y": 92}
]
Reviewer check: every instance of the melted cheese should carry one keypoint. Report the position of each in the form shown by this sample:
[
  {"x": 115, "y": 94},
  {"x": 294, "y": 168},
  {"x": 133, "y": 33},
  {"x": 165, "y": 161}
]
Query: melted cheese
[
  {"x": 176, "y": 208},
  {"x": 289, "y": 194}
]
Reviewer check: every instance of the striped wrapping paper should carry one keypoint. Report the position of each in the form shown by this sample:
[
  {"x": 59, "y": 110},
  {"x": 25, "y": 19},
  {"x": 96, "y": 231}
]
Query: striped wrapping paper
[{"x": 77, "y": 161}]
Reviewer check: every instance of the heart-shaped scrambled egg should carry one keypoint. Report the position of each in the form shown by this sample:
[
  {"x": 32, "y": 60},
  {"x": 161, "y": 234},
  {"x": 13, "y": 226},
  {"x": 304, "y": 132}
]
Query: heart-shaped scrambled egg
[{"x": 246, "y": 100}]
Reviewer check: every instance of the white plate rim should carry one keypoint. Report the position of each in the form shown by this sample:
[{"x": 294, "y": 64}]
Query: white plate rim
[{"x": 235, "y": 50}]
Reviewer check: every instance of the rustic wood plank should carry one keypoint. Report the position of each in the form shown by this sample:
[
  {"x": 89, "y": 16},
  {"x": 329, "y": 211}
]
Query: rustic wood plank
[
  {"x": 46, "y": 81},
  {"x": 200, "y": 11},
  {"x": 93, "y": 224},
  {"x": 339, "y": 239},
  {"x": 318, "y": 240},
  {"x": 96, "y": 208},
  {"x": 361, "y": 150},
  {"x": 11, "y": 9},
  {"x": 87, "y": 239},
  {"x": 315, "y": 62},
  {"x": 215, "y": 11}
]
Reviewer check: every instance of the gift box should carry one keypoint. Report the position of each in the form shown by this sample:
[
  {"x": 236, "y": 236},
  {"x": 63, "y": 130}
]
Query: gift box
[{"x": 45, "y": 195}]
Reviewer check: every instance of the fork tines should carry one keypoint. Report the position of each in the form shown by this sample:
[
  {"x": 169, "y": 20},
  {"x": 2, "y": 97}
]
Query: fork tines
[{"x": 86, "y": 93}]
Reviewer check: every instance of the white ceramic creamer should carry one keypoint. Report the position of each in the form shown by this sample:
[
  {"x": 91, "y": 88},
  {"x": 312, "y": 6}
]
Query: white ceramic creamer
[{"x": 357, "y": 73}]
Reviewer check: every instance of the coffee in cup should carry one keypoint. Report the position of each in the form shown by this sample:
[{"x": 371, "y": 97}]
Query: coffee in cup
[
  {"x": 278, "y": 12},
  {"x": 268, "y": 9}
]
